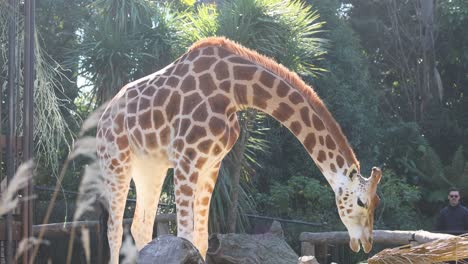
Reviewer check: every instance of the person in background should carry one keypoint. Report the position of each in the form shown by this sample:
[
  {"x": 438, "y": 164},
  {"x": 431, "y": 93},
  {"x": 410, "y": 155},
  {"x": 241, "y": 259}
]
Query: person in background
[{"x": 453, "y": 219}]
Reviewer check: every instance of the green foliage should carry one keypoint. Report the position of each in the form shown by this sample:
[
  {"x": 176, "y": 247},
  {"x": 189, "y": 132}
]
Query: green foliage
[
  {"x": 126, "y": 40},
  {"x": 399, "y": 204},
  {"x": 202, "y": 24},
  {"x": 284, "y": 30}
]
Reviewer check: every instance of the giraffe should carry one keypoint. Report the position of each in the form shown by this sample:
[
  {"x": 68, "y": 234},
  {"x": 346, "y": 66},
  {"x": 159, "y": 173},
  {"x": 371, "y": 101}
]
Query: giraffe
[{"x": 184, "y": 117}]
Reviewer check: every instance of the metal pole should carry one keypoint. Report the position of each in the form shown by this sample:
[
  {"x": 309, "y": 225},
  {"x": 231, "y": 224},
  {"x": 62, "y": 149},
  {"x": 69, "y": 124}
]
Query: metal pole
[
  {"x": 12, "y": 86},
  {"x": 27, "y": 215}
]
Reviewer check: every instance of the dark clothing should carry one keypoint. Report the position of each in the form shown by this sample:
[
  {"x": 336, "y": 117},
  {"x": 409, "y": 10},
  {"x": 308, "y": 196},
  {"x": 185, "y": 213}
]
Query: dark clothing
[{"x": 452, "y": 220}]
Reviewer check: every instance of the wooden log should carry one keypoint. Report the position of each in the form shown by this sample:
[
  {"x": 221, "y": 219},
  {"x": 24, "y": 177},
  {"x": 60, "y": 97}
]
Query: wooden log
[
  {"x": 60, "y": 229},
  {"x": 380, "y": 236}
]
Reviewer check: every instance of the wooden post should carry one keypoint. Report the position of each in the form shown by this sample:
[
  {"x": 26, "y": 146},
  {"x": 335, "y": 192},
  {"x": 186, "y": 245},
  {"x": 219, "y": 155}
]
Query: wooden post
[
  {"x": 307, "y": 249},
  {"x": 321, "y": 253}
]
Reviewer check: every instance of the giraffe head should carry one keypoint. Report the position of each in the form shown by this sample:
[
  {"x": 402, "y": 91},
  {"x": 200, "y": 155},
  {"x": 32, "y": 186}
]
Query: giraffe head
[{"x": 356, "y": 200}]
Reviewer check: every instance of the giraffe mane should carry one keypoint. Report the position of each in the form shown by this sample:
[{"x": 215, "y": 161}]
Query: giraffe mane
[{"x": 294, "y": 80}]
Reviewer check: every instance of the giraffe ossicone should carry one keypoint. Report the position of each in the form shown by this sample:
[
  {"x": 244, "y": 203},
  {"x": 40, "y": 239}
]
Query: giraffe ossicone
[{"x": 184, "y": 117}]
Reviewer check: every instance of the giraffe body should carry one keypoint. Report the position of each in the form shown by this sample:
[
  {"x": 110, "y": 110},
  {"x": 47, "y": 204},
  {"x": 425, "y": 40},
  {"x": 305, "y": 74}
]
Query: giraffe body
[{"x": 184, "y": 117}]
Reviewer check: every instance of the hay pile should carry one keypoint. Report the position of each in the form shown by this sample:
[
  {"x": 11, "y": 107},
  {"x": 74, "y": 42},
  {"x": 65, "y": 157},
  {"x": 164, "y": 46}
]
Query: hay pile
[{"x": 437, "y": 251}]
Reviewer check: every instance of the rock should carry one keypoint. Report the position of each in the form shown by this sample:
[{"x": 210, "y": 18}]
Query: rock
[
  {"x": 268, "y": 248},
  {"x": 168, "y": 249},
  {"x": 276, "y": 229},
  {"x": 307, "y": 260}
]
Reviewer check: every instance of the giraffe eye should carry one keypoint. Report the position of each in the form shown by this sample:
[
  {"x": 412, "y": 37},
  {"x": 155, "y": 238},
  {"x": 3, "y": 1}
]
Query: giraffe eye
[{"x": 360, "y": 203}]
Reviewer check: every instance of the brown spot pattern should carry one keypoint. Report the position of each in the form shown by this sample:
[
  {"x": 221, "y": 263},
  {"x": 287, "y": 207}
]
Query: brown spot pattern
[
  {"x": 340, "y": 161},
  {"x": 239, "y": 60},
  {"x": 205, "y": 146},
  {"x": 310, "y": 142},
  {"x": 181, "y": 69},
  {"x": 296, "y": 98},
  {"x": 173, "y": 107},
  {"x": 158, "y": 119},
  {"x": 195, "y": 134},
  {"x": 160, "y": 81},
  {"x": 321, "y": 156},
  {"x": 143, "y": 104},
  {"x": 200, "y": 114},
  {"x": 283, "y": 112},
  {"x": 225, "y": 86},
  {"x": 205, "y": 201},
  {"x": 122, "y": 142},
  {"x": 188, "y": 84},
  {"x": 208, "y": 51},
  {"x": 138, "y": 136},
  {"x": 149, "y": 91},
  {"x": 219, "y": 103},
  {"x": 200, "y": 162},
  {"x": 240, "y": 94},
  {"x": 223, "y": 53},
  {"x": 221, "y": 70},
  {"x": 119, "y": 123},
  {"x": 184, "y": 125},
  {"x": 164, "y": 136},
  {"x": 330, "y": 142},
  {"x": 296, "y": 127},
  {"x": 217, "y": 126},
  {"x": 193, "y": 54},
  {"x": 207, "y": 85},
  {"x": 321, "y": 140},
  {"x": 172, "y": 82},
  {"x": 244, "y": 72},
  {"x": 282, "y": 90},
  {"x": 190, "y": 153},
  {"x": 161, "y": 97},
  {"x": 267, "y": 79},
  {"x": 203, "y": 64},
  {"x": 261, "y": 96},
  {"x": 318, "y": 124},
  {"x": 145, "y": 120},
  {"x": 305, "y": 116},
  {"x": 194, "y": 177},
  {"x": 190, "y": 102}
]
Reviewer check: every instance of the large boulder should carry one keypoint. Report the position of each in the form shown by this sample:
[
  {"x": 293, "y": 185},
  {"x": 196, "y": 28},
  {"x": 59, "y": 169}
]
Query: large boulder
[
  {"x": 268, "y": 248},
  {"x": 169, "y": 249}
]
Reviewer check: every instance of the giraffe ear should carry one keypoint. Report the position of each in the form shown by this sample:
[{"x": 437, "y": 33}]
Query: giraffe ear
[{"x": 375, "y": 177}]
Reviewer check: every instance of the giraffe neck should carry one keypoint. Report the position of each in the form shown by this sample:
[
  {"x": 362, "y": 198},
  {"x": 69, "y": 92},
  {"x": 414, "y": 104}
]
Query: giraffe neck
[
  {"x": 295, "y": 111},
  {"x": 257, "y": 82}
]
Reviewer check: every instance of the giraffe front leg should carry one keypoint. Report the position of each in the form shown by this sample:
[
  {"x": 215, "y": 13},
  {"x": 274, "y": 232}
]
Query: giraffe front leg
[{"x": 205, "y": 187}]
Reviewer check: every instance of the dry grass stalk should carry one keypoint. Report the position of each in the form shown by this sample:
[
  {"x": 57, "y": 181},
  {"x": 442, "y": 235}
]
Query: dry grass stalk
[
  {"x": 85, "y": 240},
  {"x": 91, "y": 188},
  {"x": 9, "y": 199},
  {"x": 26, "y": 244},
  {"x": 93, "y": 119},
  {"x": 437, "y": 251},
  {"x": 87, "y": 147}
]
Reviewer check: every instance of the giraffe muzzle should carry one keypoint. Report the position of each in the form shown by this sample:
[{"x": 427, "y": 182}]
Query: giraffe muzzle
[{"x": 355, "y": 244}]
